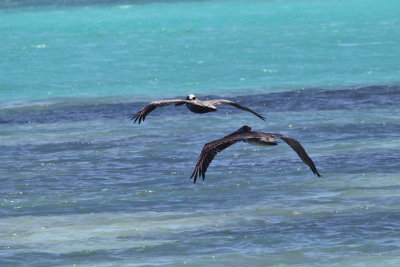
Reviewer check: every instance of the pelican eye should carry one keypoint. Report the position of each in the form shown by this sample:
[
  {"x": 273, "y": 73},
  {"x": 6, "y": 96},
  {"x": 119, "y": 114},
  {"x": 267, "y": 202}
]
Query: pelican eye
[{"x": 194, "y": 98}]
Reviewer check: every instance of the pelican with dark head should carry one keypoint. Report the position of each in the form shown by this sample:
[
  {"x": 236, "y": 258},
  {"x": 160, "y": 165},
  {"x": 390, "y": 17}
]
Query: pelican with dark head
[{"x": 245, "y": 134}]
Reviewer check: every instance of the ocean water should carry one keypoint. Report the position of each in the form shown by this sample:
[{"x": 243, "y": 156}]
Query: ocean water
[{"x": 81, "y": 185}]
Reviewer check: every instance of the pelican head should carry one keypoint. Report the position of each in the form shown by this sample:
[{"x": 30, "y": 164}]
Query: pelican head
[
  {"x": 243, "y": 129},
  {"x": 191, "y": 97}
]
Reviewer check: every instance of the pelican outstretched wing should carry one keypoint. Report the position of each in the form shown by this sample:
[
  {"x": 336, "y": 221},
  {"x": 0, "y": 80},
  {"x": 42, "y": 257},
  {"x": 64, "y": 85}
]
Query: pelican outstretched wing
[
  {"x": 299, "y": 149},
  {"x": 211, "y": 149},
  {"x": 141, "y": 115},
  {"x": 228, "y": 102}
]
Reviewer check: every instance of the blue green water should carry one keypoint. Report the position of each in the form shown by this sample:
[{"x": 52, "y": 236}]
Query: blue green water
[
  {"x": 82, "y": 185},
  {"x": 207, "y": 47}
]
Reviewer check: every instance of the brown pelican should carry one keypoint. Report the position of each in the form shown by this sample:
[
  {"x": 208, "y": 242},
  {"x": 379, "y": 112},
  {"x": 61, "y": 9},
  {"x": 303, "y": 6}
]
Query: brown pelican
[
  {"x": 246, "y": 135},
  {"x": 193, "y": 104}
]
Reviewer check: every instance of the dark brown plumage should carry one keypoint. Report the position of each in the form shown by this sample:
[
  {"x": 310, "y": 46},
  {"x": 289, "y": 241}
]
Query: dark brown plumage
[
  {"x": 193, "y": 104},
  {"x": 245, "y": 134}
]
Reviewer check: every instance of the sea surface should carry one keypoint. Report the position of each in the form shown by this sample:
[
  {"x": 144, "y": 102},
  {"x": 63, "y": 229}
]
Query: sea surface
[{"x": 82, "y": 185}]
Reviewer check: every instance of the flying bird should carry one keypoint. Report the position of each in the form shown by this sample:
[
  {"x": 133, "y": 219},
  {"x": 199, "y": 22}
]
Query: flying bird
[
  {"x": 192, "y": 103},
  {"x": 245, "y": 134}
]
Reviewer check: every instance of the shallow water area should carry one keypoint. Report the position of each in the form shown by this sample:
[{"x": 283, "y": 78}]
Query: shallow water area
[{"x": 92, "y": 188}]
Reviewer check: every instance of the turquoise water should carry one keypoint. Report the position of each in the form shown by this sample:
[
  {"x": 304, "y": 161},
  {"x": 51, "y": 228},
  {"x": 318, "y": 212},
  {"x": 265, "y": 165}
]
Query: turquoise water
[
  {"x": 218, "y": 47},
  {"x": 82, "y": 185}
]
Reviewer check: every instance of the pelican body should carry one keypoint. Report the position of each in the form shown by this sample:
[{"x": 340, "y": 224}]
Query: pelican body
[
  {"x": 193, "y": 104},
  {"x": 198, "y": 106}
]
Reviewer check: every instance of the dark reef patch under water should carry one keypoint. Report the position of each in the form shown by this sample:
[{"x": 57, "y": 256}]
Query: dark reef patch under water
[{"x": 367, "y": 97}]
